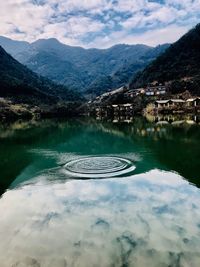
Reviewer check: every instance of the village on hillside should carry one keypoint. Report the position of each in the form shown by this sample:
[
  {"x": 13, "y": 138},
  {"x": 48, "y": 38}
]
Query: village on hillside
[{"x": 154, "y": 99}]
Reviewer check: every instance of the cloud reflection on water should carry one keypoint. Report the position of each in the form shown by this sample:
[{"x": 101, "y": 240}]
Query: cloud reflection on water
[{"x": 150, "y": 219}]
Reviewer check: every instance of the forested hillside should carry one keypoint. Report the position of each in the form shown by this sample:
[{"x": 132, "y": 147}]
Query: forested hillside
[
  {"x": 21, "y": 84},
  {"x": 179, "y": 65},
  {"x": 84, "y": 70}
]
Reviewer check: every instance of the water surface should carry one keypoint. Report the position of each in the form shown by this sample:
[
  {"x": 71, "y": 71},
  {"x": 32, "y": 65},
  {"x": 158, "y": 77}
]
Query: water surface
[{"x": 87, "y": 193}]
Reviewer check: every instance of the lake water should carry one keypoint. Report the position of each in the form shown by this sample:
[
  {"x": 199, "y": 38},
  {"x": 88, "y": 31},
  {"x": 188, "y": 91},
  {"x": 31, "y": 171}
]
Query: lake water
[{"x": 89, "y": 193}]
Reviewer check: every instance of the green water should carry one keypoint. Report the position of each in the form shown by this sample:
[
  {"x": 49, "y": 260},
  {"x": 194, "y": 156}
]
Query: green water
[{"x": 91, "y": 193}]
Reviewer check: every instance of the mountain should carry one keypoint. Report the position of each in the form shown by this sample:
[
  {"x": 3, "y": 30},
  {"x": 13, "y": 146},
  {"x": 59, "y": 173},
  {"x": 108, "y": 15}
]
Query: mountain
[
  {"x": 22, "y": 85},
  {"x": 179, "y": 65},
  {"x": 124, "y": 74},
  {"x": 85, "y": 70},
  {"x": 13, "y": 47}
]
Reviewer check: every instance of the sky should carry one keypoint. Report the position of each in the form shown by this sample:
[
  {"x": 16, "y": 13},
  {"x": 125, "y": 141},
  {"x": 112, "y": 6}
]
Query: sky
[{"x": 98, "y": 23}]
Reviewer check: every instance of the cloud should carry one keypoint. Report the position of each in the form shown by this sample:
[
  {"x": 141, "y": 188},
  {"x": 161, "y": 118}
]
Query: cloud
[
  {"x": 73, "y": 219},
  {"x": 71, "y": 30},
  {"x": 98, "y": 23},
  {"x": 153, "y": 37}
]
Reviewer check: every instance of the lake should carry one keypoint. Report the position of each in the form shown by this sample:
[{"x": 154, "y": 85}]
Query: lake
[{"x": 94, "y": 193}]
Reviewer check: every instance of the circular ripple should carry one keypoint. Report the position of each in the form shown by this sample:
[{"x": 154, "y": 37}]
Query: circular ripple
[{"x": 99, "y": 167}]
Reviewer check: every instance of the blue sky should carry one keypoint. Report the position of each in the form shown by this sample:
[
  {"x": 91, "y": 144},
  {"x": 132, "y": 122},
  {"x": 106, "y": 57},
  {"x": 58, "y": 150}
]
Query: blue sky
[{"x": 98, "y": 23}]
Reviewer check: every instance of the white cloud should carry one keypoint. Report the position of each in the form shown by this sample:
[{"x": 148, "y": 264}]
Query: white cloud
[
  {"x": 23, "y": 17},
  {"x": 60, "y": 220},
  {"x": 72, "y": 30},
  {"x": 71, "y": 5},
  {"x": 72, "y": 21},
  {"x": 168, "y": 34},
  {"x": 130, "y": 6}
]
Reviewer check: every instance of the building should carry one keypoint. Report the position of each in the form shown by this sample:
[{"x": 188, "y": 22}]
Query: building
[
  {"x": 114, "y": 110},
  {"x": 150, "y": 90},
  {"x": 193, "y": 102},
  {"x": 169, "y": 103},
  {"x": 177, "y": 102},
  {"x": 177, "y": 105},
  {"x": 135, "y": 92},
  {"x": 120, "y": 108},
  {"x": 161, "y": 103},
  {"x": 155, "y": 90}
]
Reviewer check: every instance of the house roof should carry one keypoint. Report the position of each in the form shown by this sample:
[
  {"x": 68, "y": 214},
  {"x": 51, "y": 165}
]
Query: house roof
[
  {"x": 172, "y": 100},
  {"x": 192, "y": 99},
  {"x": 177, "y": 100},
  {"x": 127, "y": 105},
  {"x": 162, "y": 101}
]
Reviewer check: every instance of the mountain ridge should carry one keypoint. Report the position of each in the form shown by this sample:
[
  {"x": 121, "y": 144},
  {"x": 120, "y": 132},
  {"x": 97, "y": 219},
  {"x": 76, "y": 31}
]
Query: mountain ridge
[
  {"x": 21, "y": 84},
  {"x": 82, "y": 69}
]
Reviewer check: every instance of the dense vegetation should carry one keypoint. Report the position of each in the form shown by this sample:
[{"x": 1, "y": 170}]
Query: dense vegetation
[
  {"x": 22, "y": 85},
  {"x": 123, "y": 75},
  {"x": 92, "y": 71},
  {"x": 179, "y": 65}
]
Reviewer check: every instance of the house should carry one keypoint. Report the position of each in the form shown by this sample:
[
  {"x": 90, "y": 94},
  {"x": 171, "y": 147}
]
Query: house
[
  {"x": 102, "y": 111},
  {"x": 150, "y": 90},
  {"x": 177, "y": 102},
  {"x": 193, "y": 102},
  {"x": 122, "y": 109},
  {"x": 134, "y": 92},
  {"x": 170, "y": 103},
  {"x": 128, "y": 108},
  {"x": 177, "y": 105},
  {"x": 116, "y": 109},
  {"x": 155, "y": 90},
  {"x": 161, "y": 103}
]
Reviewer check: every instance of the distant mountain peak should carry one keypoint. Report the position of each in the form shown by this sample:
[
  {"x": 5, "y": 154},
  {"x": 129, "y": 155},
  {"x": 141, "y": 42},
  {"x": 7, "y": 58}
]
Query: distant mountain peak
[
  {"x": 13, "y": 47},
  {"x": 85, "y": 69},
  {"x": 47, "y": 40}
]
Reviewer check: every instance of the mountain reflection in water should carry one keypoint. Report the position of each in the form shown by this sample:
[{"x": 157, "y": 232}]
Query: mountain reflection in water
[{"x": 55, "y": 214}]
